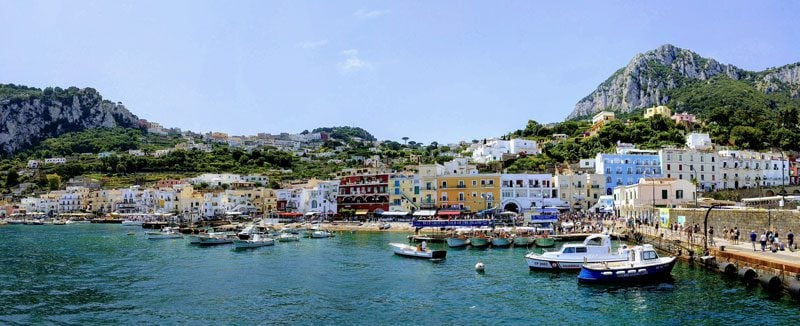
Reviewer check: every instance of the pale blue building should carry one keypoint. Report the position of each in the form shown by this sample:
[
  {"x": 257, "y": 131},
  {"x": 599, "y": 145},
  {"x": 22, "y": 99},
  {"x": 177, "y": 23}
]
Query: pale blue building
[{"x": 627, "y": 168}]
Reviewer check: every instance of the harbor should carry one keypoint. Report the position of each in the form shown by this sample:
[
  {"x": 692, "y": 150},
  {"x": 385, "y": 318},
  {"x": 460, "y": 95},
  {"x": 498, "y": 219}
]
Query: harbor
[{"x": 98, "y": 273}]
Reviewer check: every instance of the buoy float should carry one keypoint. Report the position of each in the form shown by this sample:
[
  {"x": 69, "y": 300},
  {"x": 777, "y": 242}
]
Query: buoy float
[{"x": 479, "y": 267}]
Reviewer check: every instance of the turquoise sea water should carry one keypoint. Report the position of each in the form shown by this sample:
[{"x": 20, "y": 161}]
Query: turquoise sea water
[{"x": 97, "y": 274}]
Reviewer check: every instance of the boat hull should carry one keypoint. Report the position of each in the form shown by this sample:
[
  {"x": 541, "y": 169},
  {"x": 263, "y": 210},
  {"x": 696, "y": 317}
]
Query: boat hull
[
  {"x": 625, "y": 275},
  {"x": 540, "y": 263},
  {"x": 501, "y": 242},
  {"x": 479, "y": 242},
  {"x": 412, "y": 252},
  {"x": 545, "y": 242},
  {"x": 153, "y": 236},
  {"x": 241, "y": 244},
  {"x": 457, "y": 242},
  {"x": 523, "y": 241}
]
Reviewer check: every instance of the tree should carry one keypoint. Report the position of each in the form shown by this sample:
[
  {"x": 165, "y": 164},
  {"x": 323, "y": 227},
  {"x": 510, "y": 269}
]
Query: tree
[
  {"x": 405, "y": 140},
  {"x": 53, "y": 181},
  {"x": 12, "y": 178}
]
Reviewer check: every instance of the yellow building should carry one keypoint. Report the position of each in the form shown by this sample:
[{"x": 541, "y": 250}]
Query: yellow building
[
  {"x": 600, "y": 119},
  {"x": 404, "y": 192},
  {"x": 658, "y": 110},
  {"x": 427, "y": 174},
  {"x": 473, "y": 192}
]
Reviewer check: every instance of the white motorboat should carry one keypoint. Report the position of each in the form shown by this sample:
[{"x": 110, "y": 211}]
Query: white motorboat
[
  {"x": 165, "y": 233},
  {"x": 212, "y": 238},
  {"x": 417, "y": 252},
  {"x": 320, "y": 234},
  {"x": 255, "y": 241},
  {"x": 132, "y": 223},
  {"x": 78, "y": 222},
  {"x": 595, "y": 249},
  {"x": 643, "y": 264},
  {"x": 288, "y": 237}
]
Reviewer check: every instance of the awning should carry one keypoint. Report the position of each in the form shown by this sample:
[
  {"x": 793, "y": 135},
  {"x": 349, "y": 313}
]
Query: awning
[
  {"x": 394, "y": 213},
  {"x": 425, "y": 213},
  {"x": 362, "y": 212},
  {"x": 311, "y": 213},
  {"x": 449, "y": 213},
  {"x": 290, "y": 214}
]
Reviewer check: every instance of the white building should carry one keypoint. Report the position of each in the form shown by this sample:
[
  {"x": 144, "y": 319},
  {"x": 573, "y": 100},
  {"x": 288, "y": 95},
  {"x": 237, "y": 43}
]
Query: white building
[
  {"x": 215, "y": 179},
  {"x": 258, "y": 179},
  {"x": 641, "y": 200},
  {"x": 523, "y": 192},
  {"x": 689, "y": 164},
  {"x": 213, "y": 204},
  {"x": 34, "y": 164},
  {"x": 494, "y": 149},
  {"x": 749, "y": 169},
  {"x": 699, "y": 141},
  {"x": 587, "y": 164},
  {"x": 55, "y": 160},
  {"x": 135, "y": 152}
]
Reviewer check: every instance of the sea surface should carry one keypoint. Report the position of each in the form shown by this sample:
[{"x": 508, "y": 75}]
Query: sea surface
[{"x": 98, "y": 274}]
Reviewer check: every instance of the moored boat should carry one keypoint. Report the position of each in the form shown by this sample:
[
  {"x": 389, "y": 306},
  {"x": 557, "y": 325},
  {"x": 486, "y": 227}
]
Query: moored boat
[
  {"x": 288, "y": 237},
  {"x": 545, "y": 242},
  {"x": 523, "y": 237},
  {"x": 132, "y": 223},
  {"x": 214, "y": 239},
  {"x": 254, "y": 241},
  {"x": 417, "y": 252},
  {"x": 165, "y": 233},
  {"x": 479, "y": 239},
  {"x": 643, "y": 264},
  {"x": 501, "y": 239},
  {"x": 595, "y": 249},
  {"x": 458, "y": 238},
  {"x": 320, "y": 234}
]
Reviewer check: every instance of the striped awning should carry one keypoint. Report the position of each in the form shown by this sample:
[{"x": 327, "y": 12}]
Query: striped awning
[{"x": 449, "y": 213}]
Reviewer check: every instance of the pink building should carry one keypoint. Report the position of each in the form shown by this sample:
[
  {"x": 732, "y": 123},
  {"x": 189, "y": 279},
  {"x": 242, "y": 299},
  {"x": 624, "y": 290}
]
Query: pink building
[{"x": 684, "y": 117}]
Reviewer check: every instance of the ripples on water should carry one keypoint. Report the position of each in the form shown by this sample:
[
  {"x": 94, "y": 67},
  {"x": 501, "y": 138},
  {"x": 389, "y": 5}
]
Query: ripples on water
[{"x": 97, "y": 274}]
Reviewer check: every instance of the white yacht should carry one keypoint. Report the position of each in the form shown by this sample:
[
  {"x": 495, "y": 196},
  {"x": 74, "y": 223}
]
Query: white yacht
[{"x": 595, "y": 249}]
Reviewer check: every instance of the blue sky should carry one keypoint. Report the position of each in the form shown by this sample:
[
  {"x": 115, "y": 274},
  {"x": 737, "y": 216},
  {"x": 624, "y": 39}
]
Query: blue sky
[{"x": 429, "y": 70}]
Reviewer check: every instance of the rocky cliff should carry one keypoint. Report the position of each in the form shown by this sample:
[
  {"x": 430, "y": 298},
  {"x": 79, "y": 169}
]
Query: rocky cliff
[
  {"x": 649, "y": 77},
  {"x": 28, "y": 115}
]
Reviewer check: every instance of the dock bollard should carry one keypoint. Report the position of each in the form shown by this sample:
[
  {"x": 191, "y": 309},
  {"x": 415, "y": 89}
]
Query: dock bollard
[
  {"x": 748, "y": 275},
  {"x": 727, "y": 268},
  {"x": 771, "y": 283}
]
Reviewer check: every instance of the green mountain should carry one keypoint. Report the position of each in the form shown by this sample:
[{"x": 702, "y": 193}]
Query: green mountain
[
  {"x": 674, "y": 76},
  {"x": 29, "y": 115}
]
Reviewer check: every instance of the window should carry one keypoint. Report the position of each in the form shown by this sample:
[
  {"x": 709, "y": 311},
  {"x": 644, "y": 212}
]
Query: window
[
  {"x": 664, "y": 194},
  {"x": 678, "y": 194},
  {"x": 474, "y": 183},
  {"x": 649, "y": 255},
  {"x": 444, "y": 184},
  {"x": 669, "y": 167},
  {"x": 580, "y": 249},
  {"x": 461, "y": 196}
]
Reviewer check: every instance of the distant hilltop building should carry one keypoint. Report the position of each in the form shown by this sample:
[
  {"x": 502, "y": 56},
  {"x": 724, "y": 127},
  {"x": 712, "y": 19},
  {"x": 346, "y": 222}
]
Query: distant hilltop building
[
  {"x": 661, "y": 110},
  {"x": 684, "y": 118},
  {"x": 600, "y": 119},
  {"x": 698, "y": 141},
  {"x": 494, "y": 149}
]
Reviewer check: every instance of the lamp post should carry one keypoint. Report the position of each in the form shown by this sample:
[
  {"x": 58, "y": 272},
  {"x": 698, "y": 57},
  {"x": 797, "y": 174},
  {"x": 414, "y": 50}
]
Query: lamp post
[{"x": 696, "y": 183}]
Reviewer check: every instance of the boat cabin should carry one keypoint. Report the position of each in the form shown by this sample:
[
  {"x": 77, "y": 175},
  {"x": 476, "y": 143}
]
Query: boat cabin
[{"x": 594, "y": 244}]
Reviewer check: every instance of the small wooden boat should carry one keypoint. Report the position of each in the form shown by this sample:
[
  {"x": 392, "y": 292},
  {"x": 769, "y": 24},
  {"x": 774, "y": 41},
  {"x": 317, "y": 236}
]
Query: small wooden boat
[
  {"x": 523, "y": 237},
  {"x": 643, "y": 264},
  {"x": 417, "y": 252},
  {"x": 458, "y": 238},
  {"x": 545, "y": 242},
  {"x": 501, "y": 239},
  {"x": 255, "y": 241}
]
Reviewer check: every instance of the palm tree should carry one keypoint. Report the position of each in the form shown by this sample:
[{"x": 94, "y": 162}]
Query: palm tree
[{"x": 405, "y": 140}]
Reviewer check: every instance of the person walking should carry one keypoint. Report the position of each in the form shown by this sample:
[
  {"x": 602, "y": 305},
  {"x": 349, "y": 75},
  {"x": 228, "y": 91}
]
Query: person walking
[
  {"x": 736, "y": 235},
  {"x": 711, "y": 236},
  {"x": 763, "y": 241},
  {"x": 790, "y": 239},
  {"x": 753, "y": 236}
]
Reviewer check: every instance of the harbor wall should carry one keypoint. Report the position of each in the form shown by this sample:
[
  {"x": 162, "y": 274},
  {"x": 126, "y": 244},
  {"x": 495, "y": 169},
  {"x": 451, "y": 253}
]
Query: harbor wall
[{"x": 746, "y": 220}]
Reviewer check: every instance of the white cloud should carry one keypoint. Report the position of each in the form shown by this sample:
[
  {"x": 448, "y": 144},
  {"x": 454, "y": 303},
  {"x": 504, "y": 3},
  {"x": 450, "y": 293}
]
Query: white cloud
[
  {"x": 352, "y": 62},
  {"x": 366, "y": 14},
  {"x": 313, "y": 45}
]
